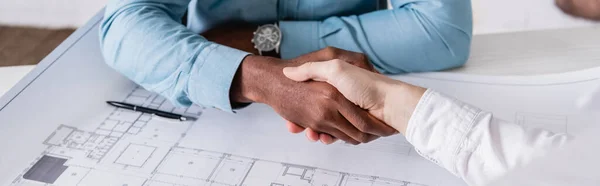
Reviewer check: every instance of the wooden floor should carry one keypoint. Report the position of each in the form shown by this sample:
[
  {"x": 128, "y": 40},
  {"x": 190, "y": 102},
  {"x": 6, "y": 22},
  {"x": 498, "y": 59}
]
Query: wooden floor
[{"x": 27, "y": 46}]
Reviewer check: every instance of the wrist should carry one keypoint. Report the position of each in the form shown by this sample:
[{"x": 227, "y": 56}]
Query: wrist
[
  {"x": 249, "y": 82},
  {"x": 243, "y": 88},
  {"x": 400, "y": 103}
]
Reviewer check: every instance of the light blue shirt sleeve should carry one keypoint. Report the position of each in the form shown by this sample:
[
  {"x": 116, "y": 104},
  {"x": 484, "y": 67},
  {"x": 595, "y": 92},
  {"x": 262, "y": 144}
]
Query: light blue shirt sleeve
[
  {"x": 413, "y": 36},
  {"x": 145, "y": 41}
]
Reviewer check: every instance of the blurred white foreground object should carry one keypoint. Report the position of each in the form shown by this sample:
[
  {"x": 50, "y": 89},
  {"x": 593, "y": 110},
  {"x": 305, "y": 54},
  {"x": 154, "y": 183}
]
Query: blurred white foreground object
[{"x": 9, "y": 76}]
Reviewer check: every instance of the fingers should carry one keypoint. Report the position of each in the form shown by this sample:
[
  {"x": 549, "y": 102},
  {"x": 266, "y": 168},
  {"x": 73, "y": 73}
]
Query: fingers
[
  {"x": 324, "y": 138},
  {"x": 363, "y": 121},
  {"x": 312, "y": 135},
  {"x": 294, "y": 128},
  {"x": 327, "y": 139},
  {"x": 319, "y": 55},
  {"x": 330, "y": 53},
  {"x": 357, "y": 59},
  {"x": 341, "y": 135},
  {"x": 349, "y": 129},
  {"x": 318, "y": 71}
]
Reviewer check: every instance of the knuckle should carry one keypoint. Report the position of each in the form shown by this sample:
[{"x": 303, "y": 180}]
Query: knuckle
[
  {"x": 362, "y": 57},
  {"x": 372, "y": 138},
  {"x": 320, "y": 119},
  {"x": 329, "y": 49},
  {"x": 331, "y": 52},
  {"x": 329, "y": 116},
  {"x": 330, "y": 94},
  {"x": 337, "y": 66},
  {"x": 363, "y": 127},
  {"x": 307, "y": 65},
  {"x": 353, "y": 142},
  {"x": 389, "y": 133},
  {"x": 318, "y": 127},
  {"x": 363, "y": 138}
]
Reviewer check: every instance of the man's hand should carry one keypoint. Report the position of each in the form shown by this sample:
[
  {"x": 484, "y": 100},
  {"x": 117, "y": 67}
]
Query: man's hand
[
  {"x": 313, "y": 105},
  {"x": 589, "y": 9},
  {"x": 328, "y": 53},
  {"x": 388, "y": 100}
]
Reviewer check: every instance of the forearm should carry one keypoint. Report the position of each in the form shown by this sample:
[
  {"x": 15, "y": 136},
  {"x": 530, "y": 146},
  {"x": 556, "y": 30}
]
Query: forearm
[
  {"x": 471, "y": 143},
  {"x": 305, "y": 10},
  {"x": 413, "y": 36},
  {"x": 145, "y": 41}
]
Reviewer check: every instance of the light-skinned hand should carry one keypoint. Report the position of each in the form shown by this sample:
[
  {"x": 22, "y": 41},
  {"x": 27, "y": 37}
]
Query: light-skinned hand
[{"x": 386, "y": 99}]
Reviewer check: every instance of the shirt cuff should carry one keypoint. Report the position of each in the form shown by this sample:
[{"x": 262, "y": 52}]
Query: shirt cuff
[
  {"x": 211, "y": 83},
  {"x": 438, "y": 128},
  {"x": 299, "y": 37}
]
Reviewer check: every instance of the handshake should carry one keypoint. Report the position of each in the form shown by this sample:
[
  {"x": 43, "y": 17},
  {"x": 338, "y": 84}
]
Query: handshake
[{"x": 331, "y": 94}]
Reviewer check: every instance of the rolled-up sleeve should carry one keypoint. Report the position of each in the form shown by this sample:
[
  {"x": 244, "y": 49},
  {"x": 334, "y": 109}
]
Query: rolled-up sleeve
[
  {"x": 145, "y": 41},
  {"x": 413, "y": 36}
]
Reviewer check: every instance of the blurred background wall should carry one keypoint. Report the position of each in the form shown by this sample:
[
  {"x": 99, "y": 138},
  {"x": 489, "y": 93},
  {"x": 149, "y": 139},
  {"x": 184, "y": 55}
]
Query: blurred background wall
[
  {"x": 48, "y": 13},
  {"x": 491, "y": 16}
]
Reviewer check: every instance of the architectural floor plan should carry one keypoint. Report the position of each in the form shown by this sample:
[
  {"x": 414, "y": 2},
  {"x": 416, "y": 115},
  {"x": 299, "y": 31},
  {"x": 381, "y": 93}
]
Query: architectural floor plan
[{"x": 129, "y": 149}]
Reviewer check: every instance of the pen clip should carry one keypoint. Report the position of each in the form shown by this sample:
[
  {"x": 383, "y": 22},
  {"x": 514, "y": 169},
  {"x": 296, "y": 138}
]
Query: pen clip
[{"x": 121, "y": 105}]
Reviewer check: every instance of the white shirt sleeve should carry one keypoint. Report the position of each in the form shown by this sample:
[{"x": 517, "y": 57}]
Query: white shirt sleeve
[{"x": 471, "y": 143}]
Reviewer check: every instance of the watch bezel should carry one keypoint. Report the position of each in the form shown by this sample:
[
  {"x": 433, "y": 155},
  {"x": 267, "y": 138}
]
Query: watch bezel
[{"x": 277, "y": 44}]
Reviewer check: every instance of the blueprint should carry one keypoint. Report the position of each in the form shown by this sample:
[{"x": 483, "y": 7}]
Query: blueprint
[
  {"x": 252, "y": 147},
  {"x": 131, "y": 148}
]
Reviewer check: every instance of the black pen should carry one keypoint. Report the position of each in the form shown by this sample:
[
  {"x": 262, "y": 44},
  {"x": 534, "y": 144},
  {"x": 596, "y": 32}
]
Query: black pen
[{"x": 151, "y": 111}]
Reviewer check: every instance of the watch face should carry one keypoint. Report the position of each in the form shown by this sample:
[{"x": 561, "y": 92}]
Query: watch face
[{"x": 267, "y": 38}]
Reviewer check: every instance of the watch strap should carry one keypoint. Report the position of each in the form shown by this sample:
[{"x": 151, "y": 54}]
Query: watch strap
[{"x": 271, "y": 53}]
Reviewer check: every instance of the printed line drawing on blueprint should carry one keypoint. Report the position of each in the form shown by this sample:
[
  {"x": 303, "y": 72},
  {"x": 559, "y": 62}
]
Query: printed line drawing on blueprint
[
  {"x": 394, "y": 145},
  {"x": 130, "y": 148}
]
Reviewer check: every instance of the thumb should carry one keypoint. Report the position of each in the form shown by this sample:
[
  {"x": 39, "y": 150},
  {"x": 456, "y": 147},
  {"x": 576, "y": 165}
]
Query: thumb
[{"x": 317, "y": 71}]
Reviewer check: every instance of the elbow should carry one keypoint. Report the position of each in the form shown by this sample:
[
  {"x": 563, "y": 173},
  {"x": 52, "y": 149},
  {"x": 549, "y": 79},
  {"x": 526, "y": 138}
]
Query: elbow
[
  {"x": 450, "y": 36},
  {"x": 118, "y": 22},
  {"x": 456, "y": 55},
  {"x": 109, "y": 37},
  {"x": 452, "y": 50},
  {"x": 103, "y": 32},
  {"x": 433, "y": 56},
  {"x": 440, "y": 47},
  {"x": 107, "y": 52},
  {"x": 115, "y": 31}
]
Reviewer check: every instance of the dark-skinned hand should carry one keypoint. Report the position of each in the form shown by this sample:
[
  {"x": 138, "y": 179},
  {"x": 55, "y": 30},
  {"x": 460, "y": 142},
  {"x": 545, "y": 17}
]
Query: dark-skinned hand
[
  {"x": 314, "y": 105},
  {"x": 350, "y": 123},
  {"x": 328, "y": 53}
]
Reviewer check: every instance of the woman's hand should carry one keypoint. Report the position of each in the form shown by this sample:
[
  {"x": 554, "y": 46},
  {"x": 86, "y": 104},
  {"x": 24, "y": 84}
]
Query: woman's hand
[{"x": 386, "y": 99}]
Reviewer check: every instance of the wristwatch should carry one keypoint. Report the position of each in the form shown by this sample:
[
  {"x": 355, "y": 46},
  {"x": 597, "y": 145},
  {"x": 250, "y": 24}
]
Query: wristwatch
[{"x": 267, "y": 39}]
